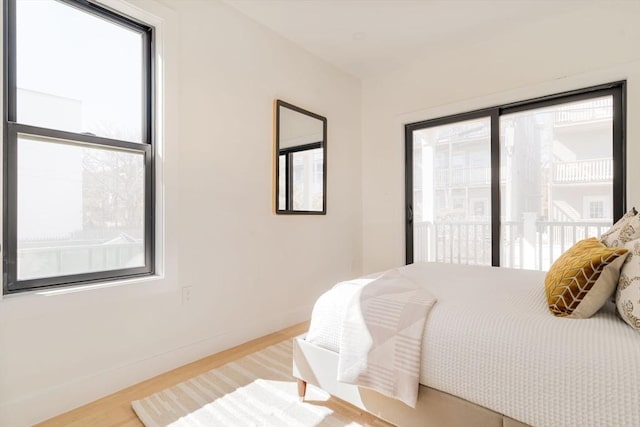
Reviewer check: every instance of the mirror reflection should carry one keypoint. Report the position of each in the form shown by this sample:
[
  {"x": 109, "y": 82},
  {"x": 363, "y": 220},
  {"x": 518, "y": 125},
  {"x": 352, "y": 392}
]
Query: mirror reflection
[{"x": 301, "y": 138}]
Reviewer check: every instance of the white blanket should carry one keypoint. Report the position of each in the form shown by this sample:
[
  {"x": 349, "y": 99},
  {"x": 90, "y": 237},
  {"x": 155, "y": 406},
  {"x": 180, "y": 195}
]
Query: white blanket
[{"x": 382, "y": 336}]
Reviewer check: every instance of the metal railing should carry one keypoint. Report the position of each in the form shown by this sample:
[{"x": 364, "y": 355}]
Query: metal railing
[{"x": 524, "y": 244}]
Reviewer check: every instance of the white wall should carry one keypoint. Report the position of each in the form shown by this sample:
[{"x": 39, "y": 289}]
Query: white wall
[
  {"x": 251, "y": 272},
  {"x": 598, "y": 44}
]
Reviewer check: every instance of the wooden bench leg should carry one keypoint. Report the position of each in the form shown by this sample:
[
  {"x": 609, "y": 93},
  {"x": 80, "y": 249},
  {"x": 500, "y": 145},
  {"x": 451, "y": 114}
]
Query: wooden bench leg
[{"x": 302, "y": 389}]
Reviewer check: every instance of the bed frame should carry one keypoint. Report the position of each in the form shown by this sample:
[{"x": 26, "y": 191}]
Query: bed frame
[{"x": 318, "y": 366}]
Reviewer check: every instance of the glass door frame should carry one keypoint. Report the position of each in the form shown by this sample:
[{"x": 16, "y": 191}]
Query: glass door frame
[{"x": 616, "y": 89}]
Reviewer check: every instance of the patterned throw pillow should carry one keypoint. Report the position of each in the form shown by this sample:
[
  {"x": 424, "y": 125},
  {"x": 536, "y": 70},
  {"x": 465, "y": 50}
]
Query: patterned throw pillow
[
  {"x": 625, "y": 230},
  {"x": 583, "y": 278},
  {"x": 628, "y": 295}
]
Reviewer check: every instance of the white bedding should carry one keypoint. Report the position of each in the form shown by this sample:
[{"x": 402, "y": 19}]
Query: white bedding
[{"x": 491, "y": 340}]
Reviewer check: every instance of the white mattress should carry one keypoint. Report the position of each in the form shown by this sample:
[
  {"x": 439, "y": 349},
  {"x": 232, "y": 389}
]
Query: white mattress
[{"x": 490, "y": 339}]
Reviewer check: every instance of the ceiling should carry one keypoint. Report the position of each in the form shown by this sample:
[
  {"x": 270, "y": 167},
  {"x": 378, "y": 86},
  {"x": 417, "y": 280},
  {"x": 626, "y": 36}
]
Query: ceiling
[{"x": 369, "y": 37}]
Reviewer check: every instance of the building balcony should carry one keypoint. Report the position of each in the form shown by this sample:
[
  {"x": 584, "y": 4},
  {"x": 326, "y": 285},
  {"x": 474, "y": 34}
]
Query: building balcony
[
  {"x": 462, "y": 177},
  {"x": 591, "y": 111},
  {"x": 465, "y": 177},
  {"x": 583, "y": 171}
]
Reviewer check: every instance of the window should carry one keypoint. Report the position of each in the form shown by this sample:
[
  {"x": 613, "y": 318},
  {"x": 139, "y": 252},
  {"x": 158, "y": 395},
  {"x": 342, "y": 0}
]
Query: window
[
  {"x": 78, "y": 182},
  {"x": 550, "y": 169},
  {"x": 480, "y": 208},
  {"x": 596, "y": 209}
]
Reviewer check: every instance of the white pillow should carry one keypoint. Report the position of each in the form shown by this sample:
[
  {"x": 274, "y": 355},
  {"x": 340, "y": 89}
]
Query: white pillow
[
  {"x": 625, "y": 230},
  {"x": 628, "y": 294}
]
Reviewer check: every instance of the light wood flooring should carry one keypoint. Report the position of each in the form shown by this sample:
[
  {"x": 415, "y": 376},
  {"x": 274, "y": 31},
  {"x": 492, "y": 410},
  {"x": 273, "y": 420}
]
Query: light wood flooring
[{"x": 115, "y": 409}]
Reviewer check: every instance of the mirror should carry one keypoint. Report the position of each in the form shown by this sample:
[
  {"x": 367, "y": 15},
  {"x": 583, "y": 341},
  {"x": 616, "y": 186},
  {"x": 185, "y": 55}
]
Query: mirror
[{"x": 300, "y": 166}]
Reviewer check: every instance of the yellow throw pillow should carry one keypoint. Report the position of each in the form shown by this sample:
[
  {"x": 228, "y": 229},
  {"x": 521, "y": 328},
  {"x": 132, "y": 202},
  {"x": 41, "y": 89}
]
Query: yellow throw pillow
[{"x": 583, "y": 278}]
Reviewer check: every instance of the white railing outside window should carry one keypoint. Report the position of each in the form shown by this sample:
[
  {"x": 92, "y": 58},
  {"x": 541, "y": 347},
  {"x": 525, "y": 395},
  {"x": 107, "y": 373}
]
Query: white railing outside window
[{"x": 529, "y": 244}]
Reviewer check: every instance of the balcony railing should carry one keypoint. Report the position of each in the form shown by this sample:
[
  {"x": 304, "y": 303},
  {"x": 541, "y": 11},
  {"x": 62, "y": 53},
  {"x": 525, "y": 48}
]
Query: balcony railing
[
  {"x": 585, "y": 112},
  {"x": 454, "y": 242},
  {"x": 462, "y": 177},
  {"x": 525, "y": 244},
  {"x": 583, "y": 171}
]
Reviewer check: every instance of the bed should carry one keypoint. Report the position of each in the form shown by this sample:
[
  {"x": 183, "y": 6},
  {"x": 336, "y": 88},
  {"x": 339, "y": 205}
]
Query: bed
[{"x": 492, "y": 355}]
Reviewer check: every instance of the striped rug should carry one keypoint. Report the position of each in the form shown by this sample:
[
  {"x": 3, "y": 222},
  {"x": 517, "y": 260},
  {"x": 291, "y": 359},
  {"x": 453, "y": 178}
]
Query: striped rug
[{"x": 256, "y": 390}]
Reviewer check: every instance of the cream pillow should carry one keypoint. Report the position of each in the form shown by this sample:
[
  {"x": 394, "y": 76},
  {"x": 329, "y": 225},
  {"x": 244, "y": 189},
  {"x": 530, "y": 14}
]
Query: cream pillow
[
  {"x": 625, "y": 230},
  {"x": 628, "y": 295},
  {"x": 583, "y": 278}
]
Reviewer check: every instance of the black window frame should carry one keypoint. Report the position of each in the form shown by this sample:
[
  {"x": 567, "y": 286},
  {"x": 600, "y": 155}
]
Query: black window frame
[
  {"x": 11, "y": 129},
  {"x": 615, "y": 89}
]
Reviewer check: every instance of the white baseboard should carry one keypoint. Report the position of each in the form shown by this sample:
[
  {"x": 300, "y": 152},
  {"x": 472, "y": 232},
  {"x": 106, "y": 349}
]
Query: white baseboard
[{"x": 56, "y": 400}]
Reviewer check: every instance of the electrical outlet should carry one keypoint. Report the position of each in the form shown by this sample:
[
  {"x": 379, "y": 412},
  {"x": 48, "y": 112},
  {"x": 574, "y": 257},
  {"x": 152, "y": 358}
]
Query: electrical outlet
[{"x": 186, "y": 294}]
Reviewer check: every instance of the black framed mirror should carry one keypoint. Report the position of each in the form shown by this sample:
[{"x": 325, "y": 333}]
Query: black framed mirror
[{"x": 300, "y": 160}]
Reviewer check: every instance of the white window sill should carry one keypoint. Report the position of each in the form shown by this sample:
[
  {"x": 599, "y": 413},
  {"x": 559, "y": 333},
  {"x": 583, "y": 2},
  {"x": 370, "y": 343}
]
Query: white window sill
[{"x": 82, "y": 288}]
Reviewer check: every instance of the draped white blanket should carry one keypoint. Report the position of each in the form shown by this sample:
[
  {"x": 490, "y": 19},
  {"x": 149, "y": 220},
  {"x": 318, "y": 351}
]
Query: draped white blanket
[{"x": 382, "y": 336}]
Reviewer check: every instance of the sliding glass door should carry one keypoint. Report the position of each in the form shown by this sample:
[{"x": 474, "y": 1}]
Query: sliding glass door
[
  {"x": 515, "y": 185},
  {"x": 452, "y": 192},
  {"x": 558, "y": 179}
]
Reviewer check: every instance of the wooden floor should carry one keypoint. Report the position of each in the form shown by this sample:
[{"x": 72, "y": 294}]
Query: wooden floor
[{"x": 115, "y": 409}]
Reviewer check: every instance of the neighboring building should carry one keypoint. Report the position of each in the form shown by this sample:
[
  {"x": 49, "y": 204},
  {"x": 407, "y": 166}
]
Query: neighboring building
[
  {"x": 582, "y": 169},
  {"x": 555, "y": 185}
]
